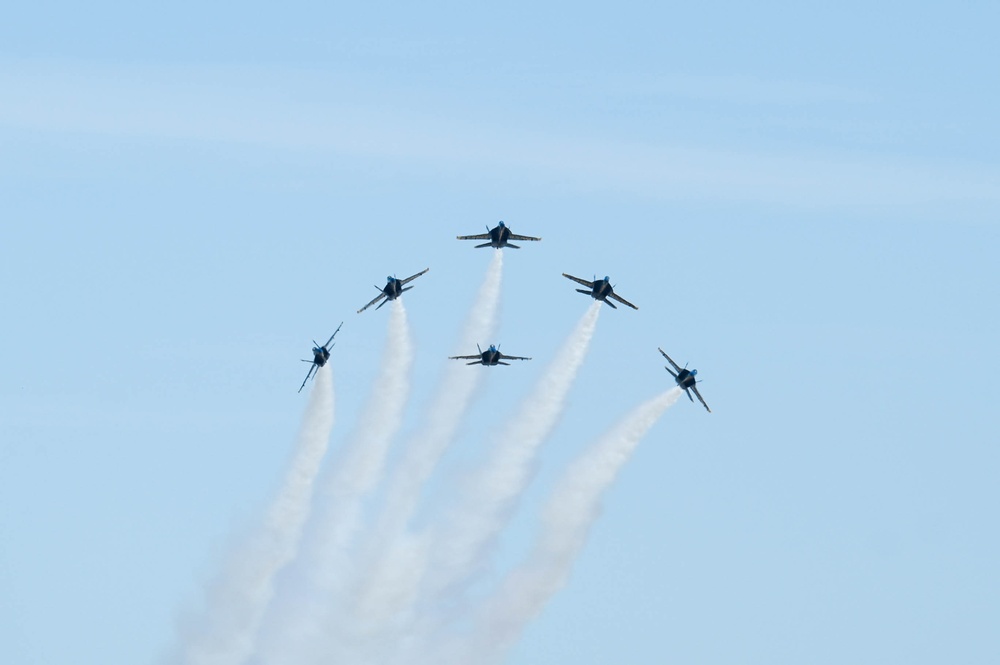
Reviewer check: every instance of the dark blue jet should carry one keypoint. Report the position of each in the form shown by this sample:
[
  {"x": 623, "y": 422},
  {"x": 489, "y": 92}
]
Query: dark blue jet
[
  {"x": 490, "y": 356},
  {"x": 685, "y": 379},
  {"x": 392, "y": 290},
  {"x": 498, "y": 237},
  {"x": 600, "y": 289},
  {"x": 320, "y": 355}
]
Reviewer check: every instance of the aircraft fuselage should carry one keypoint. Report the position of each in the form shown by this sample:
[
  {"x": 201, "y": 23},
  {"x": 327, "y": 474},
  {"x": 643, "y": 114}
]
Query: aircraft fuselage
[
  {"x": 320, "y": 356},
  {"x": 393, "y": 289},
  {"x": 685, "y": 379},
  {"x": 499, "y": 235},
  {"x": 601, "y": 290},
  {"x": 491, "y": 357}
]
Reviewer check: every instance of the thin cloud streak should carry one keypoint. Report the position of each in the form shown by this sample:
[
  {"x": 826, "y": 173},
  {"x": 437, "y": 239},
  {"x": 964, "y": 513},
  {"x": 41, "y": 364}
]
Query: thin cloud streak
[{"x": 222, "y": 106}]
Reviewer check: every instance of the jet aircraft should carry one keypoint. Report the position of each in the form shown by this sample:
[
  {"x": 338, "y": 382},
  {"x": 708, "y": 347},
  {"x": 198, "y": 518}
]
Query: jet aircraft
[
  {"x": 600, "y": 289},
  {"x": 392, "y": 290},
  {"x": 498, "y": 237},
  {"x": 490, "y": 356},
  {"x": 685, "y": 379},
  {"x": 320, "y": 355}
]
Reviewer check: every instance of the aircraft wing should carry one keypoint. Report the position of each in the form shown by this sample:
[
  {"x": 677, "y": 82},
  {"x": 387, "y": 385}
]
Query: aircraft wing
[
  {"x": 333, "y": 335},
  {"x": 504, "y": 356},
  {"x": 622, "y": 300},
  {"x": 700, "y": 398},
  {"x": 514, "y": 236},
  {"x": 589, "y": 285},
  {"x": 413, "y": 277},
  {"x": 475, "y": 357},
  {"x": 374, "y": 300},
  {"x": 481, "y": 236},
  {"x": 308, "y": 374},
  {"x": 676, "y": 368}
]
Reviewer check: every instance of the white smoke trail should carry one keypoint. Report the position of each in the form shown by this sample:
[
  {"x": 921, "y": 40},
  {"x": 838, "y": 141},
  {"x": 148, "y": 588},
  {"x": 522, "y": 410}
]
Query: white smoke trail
[
  {"x": 362, "y": 467},
  {"x": 397, "y": 560},
  {"x": 237, "y": 602},
  {"x": 304, "y": 620},
  {"x": 480, "y": 516},
  {"x": 447, "y": 410},
  {"x": 566, "y": 521}
]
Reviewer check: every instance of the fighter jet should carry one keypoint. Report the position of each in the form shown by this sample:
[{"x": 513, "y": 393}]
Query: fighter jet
[
  {"x": 498, "y": 237},
  {"x": 392, "y": 290},
  {"x": 685, "y": 379},
  {"x": 600, "y": 289},
  {"x": 320, "y": 355},
  {"x": 490, "y": 356}
]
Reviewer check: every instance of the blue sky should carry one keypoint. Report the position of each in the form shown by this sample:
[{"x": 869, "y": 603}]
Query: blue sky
[{"x": 803, "y": 202}]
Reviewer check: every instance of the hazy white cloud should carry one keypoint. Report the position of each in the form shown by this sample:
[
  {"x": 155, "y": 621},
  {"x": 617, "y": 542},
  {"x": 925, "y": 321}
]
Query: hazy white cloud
[{"x": 310, "y": 111}]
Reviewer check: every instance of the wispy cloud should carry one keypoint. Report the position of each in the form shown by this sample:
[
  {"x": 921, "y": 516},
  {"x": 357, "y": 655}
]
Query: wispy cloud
[{"x": 314, "y": 112}]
